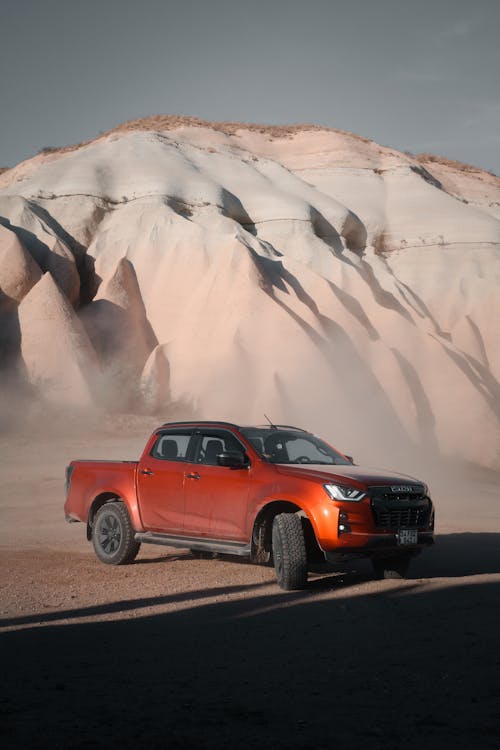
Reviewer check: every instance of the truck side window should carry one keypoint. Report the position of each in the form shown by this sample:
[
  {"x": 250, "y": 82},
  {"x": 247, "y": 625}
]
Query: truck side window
[
  {"x": 213, "y": 444},
  {"x": 171, "y": 447}
]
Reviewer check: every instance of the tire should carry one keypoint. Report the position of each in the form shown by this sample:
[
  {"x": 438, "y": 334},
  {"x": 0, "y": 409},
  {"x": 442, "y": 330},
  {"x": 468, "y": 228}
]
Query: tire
[
  {"x": 289, "y": 552},
  {"x": 113, "y": 535},
  {"x": 391, "y": 567}
]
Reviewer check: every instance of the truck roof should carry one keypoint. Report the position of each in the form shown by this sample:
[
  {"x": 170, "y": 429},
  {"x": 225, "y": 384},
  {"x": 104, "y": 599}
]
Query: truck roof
[
  {"x": 210, "y": 422},
  {"x": 201, "y": 422}
]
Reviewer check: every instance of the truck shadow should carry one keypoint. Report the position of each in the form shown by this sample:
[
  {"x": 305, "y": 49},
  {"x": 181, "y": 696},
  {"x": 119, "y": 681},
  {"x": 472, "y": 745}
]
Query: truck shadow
[
  {"x": 458, "y": 555},
  {"x": 453, "y": 555}
]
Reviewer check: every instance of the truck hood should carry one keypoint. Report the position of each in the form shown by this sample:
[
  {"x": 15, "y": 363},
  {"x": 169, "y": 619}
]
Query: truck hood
[{"x": 342, "y": 474}]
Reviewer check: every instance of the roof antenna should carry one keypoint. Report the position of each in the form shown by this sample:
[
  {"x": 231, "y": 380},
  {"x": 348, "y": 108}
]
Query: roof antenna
[{"x": 271, "y": 424}]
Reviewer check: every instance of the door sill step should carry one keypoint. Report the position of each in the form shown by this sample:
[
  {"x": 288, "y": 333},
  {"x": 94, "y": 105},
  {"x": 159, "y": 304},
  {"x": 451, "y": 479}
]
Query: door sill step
[{"x": 187, "y": 542}]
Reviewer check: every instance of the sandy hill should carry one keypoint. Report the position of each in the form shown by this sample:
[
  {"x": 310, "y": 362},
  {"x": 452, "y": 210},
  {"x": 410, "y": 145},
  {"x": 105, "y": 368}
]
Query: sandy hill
[{"x": 223, "y": 270}]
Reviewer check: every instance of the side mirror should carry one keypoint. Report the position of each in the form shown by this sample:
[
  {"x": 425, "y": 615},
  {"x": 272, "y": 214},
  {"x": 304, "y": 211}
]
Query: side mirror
[
  {"x": 349, "y": 457},
  {"x": 232, "y": 459}
]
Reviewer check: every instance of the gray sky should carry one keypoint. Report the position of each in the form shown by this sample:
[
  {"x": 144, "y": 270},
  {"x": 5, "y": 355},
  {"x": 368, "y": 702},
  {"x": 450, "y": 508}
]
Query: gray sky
[{"x": 418, "y": 75}]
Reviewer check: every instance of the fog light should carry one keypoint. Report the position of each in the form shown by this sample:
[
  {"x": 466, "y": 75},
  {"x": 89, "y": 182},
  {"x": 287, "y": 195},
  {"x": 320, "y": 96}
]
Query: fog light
[{"x": 344, "y": 526}]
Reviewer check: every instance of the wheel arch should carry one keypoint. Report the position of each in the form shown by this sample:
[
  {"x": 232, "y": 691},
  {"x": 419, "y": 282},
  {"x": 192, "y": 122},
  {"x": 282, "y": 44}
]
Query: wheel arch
[
  {"x": 261, "y": 548},
  {"x": 98, "y": 502}
]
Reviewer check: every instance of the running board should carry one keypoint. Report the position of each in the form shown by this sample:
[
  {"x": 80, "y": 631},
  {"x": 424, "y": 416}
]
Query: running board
[{"x": 188, "y": 542}]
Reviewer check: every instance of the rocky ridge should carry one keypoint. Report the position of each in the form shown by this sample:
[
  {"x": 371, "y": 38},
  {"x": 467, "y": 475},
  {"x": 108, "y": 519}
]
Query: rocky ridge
[{"x": 226, "y": 272}]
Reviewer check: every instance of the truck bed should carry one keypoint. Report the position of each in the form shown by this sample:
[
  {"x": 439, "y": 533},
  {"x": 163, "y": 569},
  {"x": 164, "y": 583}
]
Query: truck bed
[{"x": 87, "y": 480}]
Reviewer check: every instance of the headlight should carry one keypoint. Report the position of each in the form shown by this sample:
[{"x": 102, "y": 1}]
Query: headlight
[{"x": 351, "y": 494}]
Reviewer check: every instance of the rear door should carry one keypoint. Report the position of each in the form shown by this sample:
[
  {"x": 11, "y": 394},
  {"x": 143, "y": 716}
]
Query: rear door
[
  {"x": 216, "y": 497},
  {"x": 161, "y": 480}
]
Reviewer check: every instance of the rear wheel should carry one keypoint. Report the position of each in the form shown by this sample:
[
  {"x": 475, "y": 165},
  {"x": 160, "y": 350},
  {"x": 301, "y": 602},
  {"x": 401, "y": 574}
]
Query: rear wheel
[
  {"x": 391, "y": 567},
  {"x": 289, "y": 552},
  {"x": 113, "y": 536}
]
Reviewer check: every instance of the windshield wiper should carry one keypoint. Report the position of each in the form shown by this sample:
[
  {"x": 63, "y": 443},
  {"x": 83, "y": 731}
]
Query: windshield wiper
[{"x": 311, "y": 463}]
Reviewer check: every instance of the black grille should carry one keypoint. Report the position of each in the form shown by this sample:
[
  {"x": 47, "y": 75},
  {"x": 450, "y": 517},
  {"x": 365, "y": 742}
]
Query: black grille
[
  {"x": 409, "y": 518},
  {"x": 397, "y": 510}
]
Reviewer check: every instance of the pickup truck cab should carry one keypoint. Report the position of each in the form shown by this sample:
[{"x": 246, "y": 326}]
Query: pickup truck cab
[{"x": 274, "y": 493}]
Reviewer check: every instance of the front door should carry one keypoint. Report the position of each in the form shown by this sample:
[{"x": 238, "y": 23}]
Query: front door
[{"x": 216, "y": 497}]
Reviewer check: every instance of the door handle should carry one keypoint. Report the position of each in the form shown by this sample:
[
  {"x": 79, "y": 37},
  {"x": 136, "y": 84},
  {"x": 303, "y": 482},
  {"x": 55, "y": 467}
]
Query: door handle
[
  {"x": 193, "y": 475},
  {"x": 148, "y": 472}
]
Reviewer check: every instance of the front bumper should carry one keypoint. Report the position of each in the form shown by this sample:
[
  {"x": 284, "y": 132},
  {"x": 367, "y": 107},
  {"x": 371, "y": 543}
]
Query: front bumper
[{"x": 380, "y": 545}]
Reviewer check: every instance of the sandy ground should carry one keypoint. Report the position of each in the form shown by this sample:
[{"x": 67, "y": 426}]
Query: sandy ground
[{"x": 174, "y": 652}]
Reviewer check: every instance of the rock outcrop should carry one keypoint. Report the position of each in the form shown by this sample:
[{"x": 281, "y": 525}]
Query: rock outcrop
[
  {"x": 305, "y": 273},
  {"x": 19, "y": 272},
  {"x": 43, "y": 238},
  {"x": 117, "y": 325},
  {"x": 55, "y": 348}
]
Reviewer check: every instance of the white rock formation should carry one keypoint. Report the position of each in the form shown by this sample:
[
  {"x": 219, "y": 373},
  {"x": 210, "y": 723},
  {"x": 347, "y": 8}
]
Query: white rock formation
[
  {"x": 39, "y": 235},
  {"x": 121, "y": 334},
  {"x": 309, "y": 274},
  {"x": 155, "y": 381},
  {"x": 18, "y": 271},
  {"x": 56, "y": 351}
]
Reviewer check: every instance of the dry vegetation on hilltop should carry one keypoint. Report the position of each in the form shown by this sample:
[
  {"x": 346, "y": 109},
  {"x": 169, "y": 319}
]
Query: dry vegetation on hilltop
[
  {"x": 457, "y": 165},
  {"x": 172, "y": 122}
]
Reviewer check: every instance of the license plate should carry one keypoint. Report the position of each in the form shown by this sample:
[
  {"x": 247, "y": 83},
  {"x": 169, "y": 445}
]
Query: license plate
[{"x": 407, "y": 536}]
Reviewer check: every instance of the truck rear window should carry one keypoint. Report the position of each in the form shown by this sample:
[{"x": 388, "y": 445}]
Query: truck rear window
[{"x": 171, "y": 447}]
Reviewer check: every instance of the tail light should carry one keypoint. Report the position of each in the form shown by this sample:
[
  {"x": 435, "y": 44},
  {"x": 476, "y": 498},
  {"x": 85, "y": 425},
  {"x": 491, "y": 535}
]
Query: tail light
[{"x": 69, "y": 472}]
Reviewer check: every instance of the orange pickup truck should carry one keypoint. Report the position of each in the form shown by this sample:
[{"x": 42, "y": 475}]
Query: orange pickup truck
[{"x": 274, "y": 493}]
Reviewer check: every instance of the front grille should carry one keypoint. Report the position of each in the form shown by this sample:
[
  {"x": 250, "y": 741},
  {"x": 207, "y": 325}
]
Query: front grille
[
  {"x": 409, "y": 518},
  {"x": 393, "y": 510}
]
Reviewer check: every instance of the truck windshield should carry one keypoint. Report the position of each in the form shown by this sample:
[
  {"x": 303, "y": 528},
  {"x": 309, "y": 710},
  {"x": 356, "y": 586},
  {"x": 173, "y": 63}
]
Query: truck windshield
[{"x": 291, "y": 447}]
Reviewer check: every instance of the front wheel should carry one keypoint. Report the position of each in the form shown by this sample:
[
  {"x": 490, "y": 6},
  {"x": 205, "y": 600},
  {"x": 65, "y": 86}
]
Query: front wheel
[
  {"x": 289, "y": 552},
  {"x": 113, "y": 536},
  {"x": 391, "y": 567}
]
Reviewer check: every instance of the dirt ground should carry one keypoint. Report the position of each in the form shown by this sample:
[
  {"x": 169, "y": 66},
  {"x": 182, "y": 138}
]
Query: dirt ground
[{"x": 180, "y": 653}]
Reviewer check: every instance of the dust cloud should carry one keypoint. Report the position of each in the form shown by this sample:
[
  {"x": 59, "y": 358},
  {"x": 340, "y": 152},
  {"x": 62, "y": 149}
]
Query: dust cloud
[{"x": 48, "y": 435}]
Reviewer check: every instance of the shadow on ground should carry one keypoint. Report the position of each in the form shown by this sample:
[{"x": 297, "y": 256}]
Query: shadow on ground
[
  {"x": 459, "y": 555},
  {"x": 412, "y": 666}
]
